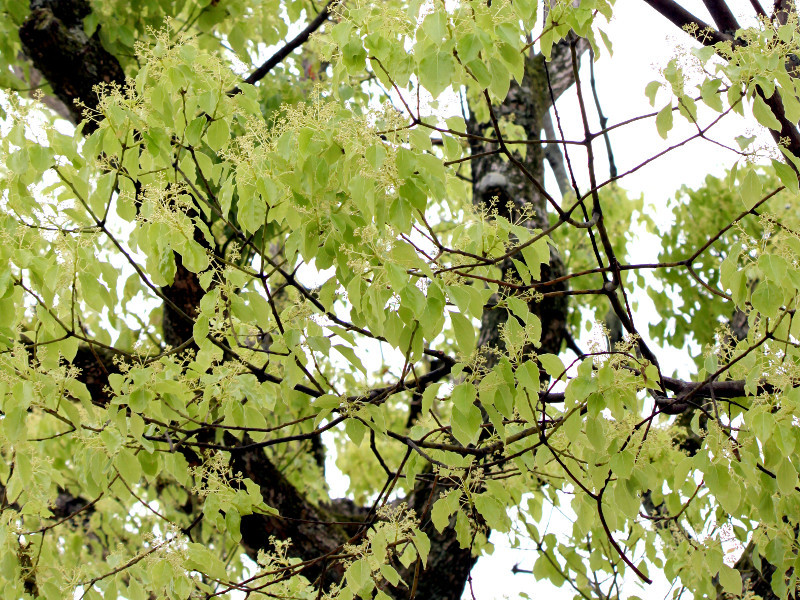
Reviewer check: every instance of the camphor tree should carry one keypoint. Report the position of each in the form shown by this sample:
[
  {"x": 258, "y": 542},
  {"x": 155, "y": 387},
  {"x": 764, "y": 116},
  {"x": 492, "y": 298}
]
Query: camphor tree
[{"x": 231, "y": 270}]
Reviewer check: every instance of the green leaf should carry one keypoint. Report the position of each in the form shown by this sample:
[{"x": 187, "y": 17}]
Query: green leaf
[
  {"x": 492, "y": 511},
  {"x": 355, "y": 430},
  {"x": 787, "y": 175},
  {"x": 233, "y": 522},
  {"x": 435, "y": 25},
  {"x": 375, "y": 156},
  {"x": 201, "y": 559},
  {"x": 252, "y": 209},
  {"x": 552, "y": 365},
  {"x": 764, "y": 115},
  {"x": 536, "y": 255},
  {"x": 468, "y": 47},
  {"x": 579, "y": 389},
  {"x": 128, "y": 466},
  {"x": 466, "y": 416},
  {"x": 463, "y": 396},
  {"x": 501, "y": 79},
  {"x": 440, "y": 514},
  {"x": 464, "y": 333},
  {"x": 390, "y": 574},
  {"x": 358, "y": 574},
  {"x": 528, "y": 376},
  {"x": 423, "y": 545},
  {"x": 546, "y": 567},
  {"x": 436, "y": 72},
  {"x": 428, "y": 396},
  {"x": 480, "y": 72},
  {"x": 514, "y": 60},
  {"x": 139, "y": 399},
  {"x": 664, "y": 121},
  {"x": 349, "y": 354},
  {"x": 217, "y": 134},
  {"x": 767, "y": 298},
  {"x": 787, "y": 477},
  {"x": 709, "y": 92},
  {"x": 195, "y": 130},
  {"x": 750, "y": 189},
  {"x": 731, "y": 580}
]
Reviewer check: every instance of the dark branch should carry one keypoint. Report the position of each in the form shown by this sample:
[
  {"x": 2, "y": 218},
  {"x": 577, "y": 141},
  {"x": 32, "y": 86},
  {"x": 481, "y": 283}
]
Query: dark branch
[
  {"x": 291, "y": 46},
  {"x": 703, "y": 32},
  {"x": 722, "y": 15},
  {"x": 758, "y": 8},
  {"x": 788, "y": 137},
  {"x": 311, "y": 532}
]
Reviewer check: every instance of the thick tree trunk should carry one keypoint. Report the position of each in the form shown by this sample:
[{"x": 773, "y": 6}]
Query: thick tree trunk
[
  {"x": 72, "y": 62},
  {"x": 498, "y": 184}
]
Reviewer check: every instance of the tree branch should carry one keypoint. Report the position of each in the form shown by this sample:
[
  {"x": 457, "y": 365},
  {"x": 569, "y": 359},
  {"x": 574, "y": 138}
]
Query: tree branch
[
  {"x": 300, "y": 39},
  {"x": 310, "y": 530},
  {"x": 703, "y": 32},
  {"x": 722, "y": 15},
  {"x": 708, "y": 36}
]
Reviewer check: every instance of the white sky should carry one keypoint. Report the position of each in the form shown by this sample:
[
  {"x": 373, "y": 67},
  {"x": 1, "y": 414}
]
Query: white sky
[{"x": 643, "y": 43}]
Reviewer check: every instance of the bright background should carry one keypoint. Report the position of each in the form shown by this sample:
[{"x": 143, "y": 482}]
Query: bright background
[{"x": 643, "y": 43}]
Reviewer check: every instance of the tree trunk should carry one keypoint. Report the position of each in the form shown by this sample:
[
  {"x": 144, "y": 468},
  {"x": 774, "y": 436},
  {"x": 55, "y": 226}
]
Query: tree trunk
[{"x": 498, "y": 184}]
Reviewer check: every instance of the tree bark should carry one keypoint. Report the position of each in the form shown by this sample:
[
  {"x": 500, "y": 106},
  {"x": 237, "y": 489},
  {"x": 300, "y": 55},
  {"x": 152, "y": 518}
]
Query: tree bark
[
  {"x": 72, "y": 62},
  {"x": 500, "y": 185}
]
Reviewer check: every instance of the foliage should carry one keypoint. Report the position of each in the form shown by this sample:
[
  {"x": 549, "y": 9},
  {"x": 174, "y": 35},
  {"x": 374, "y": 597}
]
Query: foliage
[{"x": 209, "y": 281}]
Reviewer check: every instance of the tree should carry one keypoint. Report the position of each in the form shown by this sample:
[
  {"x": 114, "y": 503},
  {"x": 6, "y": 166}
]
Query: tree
[{"x": 227, "y": 273}]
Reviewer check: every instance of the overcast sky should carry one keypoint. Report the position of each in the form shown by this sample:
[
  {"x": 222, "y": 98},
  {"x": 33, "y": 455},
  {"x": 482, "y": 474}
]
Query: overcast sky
[{"x": 643, "y": 43}]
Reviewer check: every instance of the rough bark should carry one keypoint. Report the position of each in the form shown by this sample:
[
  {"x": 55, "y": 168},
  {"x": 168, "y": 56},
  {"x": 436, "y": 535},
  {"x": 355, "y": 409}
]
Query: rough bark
[
  {"x": 72, "y": 62},
  {"x": 309, "y": 527},
  {"x": 449, "y": 566},
  {"x": 500, "y": 185},
  {"x": 185, "y": 293},
  {"x": 555, "y": 158}
]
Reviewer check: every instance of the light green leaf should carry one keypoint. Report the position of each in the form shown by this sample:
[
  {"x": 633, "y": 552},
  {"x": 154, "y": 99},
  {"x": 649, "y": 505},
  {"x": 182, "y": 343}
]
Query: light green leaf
[
  {"x": 767, "y": 298},
  {"x": 217, "y": 134},
  {"x": 435, "y": 25},
  {"x": 787, "y": 175},
  {"x": 436, "y": 72},
  {"x": 664, "y": 121},
  {"x": 464, "y": 333},
  {"x": 358, "y": 574},
  {"x": 787, "y": 477},
  {"x": 440, "y": 514},
  {"x": 764, "y": 115},
  {"x": 390, "y": 574},
  {"x": 128, "y": 466},
  {"x": 423, "y": 545},
  {"x": 552, "y": 364},
  {"x": 750, "y": 189},
  {"x": 201, "y": 559},
  {"x": 731, "y": 580}
]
